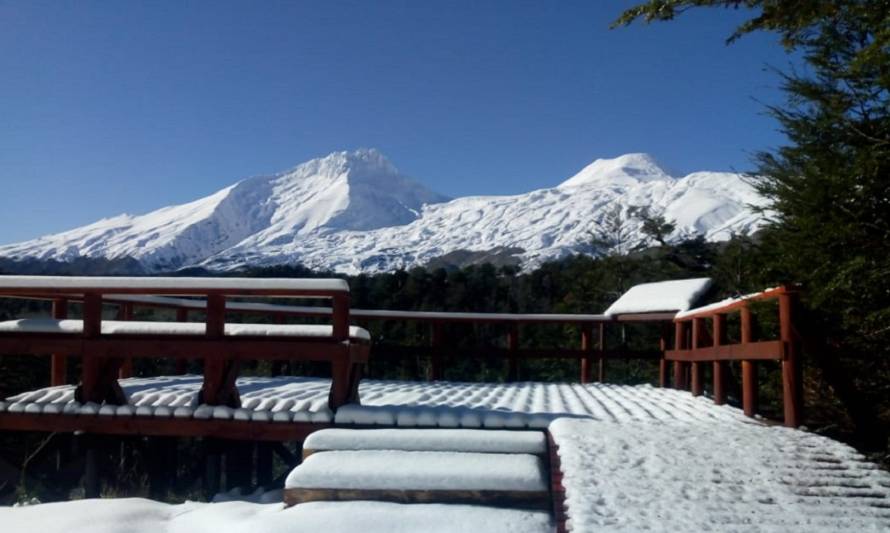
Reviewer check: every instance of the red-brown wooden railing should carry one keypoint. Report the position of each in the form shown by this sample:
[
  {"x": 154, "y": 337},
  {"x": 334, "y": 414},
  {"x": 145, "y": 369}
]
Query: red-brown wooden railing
[{"x": 694, "y": 347}]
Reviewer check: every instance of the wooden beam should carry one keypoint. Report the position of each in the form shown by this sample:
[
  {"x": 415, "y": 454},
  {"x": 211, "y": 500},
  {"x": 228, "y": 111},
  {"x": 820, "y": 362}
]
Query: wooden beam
[
  {"x": 152, "y": 426},
  {"x": 679, "y": 345},
  {"x": 755, "y": 351},
  {"x": 749, "y": 367},
  {"x": 587, "y": 348},
  {"x": 512, "y": 350},
  {"x": 601, "y": 360},
  {"x": 663, "y": 363},
  {"x": 91, "y": 386},
  {"x": 436, "y": 342},
  {"x": 697, "y": 385},
  {"x": 792, "y": 375},
  {"x": 514, "y": 499},
  {"x": 718, "y": 334},
  {"x": 125, "y": 312},
  {"x": 59, "y": 361},
  {"x": 182, "y": 315}
]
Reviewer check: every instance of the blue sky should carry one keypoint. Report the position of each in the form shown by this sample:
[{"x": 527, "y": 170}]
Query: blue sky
[{"x": 111, "y": 107}]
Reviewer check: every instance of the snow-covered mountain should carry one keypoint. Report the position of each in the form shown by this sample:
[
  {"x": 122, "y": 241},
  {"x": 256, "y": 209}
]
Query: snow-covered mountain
[{"x": 354, "y": 212}]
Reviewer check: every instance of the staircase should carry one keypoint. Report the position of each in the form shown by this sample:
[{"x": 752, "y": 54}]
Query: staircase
[{"x": 494, "y": 468}]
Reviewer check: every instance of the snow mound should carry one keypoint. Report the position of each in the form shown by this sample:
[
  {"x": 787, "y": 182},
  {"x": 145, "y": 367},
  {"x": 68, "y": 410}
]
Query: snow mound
[
  {"x": 134, "y": 515},
  {"x": 661, "y": 296}
]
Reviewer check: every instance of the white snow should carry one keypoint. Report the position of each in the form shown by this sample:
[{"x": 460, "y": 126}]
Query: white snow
[
  {"x": 257, "y": 307},
  {"x": 403, "y": 403},
  {"x": 135, "y": 327},
  {"x": 406, "y": 470},
  {"x": 429, "y": 440},
  {"x": 662, "y": 296},
  {"x": 702, "y": 475},
  {"x": 633, "y": 458},
  {"x": 188, "y": 285},
  {"x": 135, "y": 515},
  {"x": 353, "y": 212},
  {"x": 280, "y": 399},
  {"x": 719, "y": 305}
]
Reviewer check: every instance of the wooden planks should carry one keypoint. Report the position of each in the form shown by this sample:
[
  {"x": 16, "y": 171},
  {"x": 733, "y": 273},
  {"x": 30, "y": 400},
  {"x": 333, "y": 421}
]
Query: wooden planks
[{"x": 512, "y": 499}]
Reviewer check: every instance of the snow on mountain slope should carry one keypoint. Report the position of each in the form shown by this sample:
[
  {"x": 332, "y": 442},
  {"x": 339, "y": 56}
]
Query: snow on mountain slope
[{"x": 354, "y": 212}]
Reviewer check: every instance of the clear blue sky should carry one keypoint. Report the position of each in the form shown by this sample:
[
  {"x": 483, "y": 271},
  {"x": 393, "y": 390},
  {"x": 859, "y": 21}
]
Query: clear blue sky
[{"x": 110, "y": 107}]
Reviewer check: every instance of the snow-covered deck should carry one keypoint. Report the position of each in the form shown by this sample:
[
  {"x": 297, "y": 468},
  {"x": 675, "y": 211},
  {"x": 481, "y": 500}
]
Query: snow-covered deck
[
  {"x": 632, "y": 457},
  {"x": 388, "y": 403}
]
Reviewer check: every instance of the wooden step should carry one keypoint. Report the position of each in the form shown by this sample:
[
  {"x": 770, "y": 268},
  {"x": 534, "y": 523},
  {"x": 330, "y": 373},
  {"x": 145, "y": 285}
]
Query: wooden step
[
  {"x": 502, "y": 480},
  {"x": 427, "y": 440}
]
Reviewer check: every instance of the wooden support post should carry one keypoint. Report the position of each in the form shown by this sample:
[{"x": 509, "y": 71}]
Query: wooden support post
[
  {"x": 339, "y": 384},
  {"x": 91, "y": 365},
  {"x": 695, "y": 371},
  {"x": 679, "y": 344},
  {"x": 212, "y": 467},
  {"x": 214, "y": 367},
  {"x": 749, "y": 368},
  {"x": 59, "y": 361},
  {"x": 587, "y": 347},
  {"x": 125, "y": 312},
  {"x": 341, "y": 317},
  {"x": 662, "y": 363},
  {"x": 91, "y": 480},
  {"x": 601, "y": 359},
  {"x": 436, "y": 338},
  {"x": 513, "y": 346},
  {"x": 161, "y": 465},
  {"x": 182, "y": 315},
  {"x": 239, "y": 465},
  {"x": 719, "y": 337},
  {"x": 792, "y": 390},
  {"x": 264, "y": 464}
]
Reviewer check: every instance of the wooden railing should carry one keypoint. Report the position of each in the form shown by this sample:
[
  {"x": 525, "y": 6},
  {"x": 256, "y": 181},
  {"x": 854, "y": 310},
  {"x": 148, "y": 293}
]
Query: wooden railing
[
  {"x": 696, "y": 345},
  {"x": 699, "y": 338},
  {"x": 106, "y": 356}
]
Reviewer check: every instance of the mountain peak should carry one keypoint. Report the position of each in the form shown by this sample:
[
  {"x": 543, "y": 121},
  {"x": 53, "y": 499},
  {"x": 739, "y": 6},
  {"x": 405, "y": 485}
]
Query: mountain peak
[
  {"x": 361, "y": 162},
  {"x": 626, "y": 169}
]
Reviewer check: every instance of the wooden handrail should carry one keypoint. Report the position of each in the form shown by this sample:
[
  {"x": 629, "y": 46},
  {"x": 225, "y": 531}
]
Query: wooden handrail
[{"x": 748, "y": 350}]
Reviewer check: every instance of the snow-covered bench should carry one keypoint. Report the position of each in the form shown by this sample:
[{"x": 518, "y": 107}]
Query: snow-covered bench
[{"x": 103, "y": 344}]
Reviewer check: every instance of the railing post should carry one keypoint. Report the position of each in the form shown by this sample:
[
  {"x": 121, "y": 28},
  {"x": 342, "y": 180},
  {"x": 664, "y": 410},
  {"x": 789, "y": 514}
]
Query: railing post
[
  {"x": 791, "y": 369},
  {"x": 125, "y": 312},
  {"x": 719, "y": 336},
  {"x": 182, "y": 315},
  {"x": 513, "y": 346},
  {"x": 341, "y": 316},
  {"x": 91, "y": 366},
  {"x": 662, "y": 363},
  {"x": 749, "y": 368},
  {"x": 679, "y": 344},
  {"x": 436, "y": 357},
  {"x": 59, "y": 361},
  {"x": 214, "y": 367},
  {"x": 601, "y": 369},
  {"x": 695, "y": 366},
  {"x": 587, "y": 348}
]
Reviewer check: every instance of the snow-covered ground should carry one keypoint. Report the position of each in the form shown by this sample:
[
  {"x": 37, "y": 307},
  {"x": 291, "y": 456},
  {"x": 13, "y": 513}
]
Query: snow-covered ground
[
  {"x": 135, "y": 515},
  {"x": 354, "y": 212}
]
